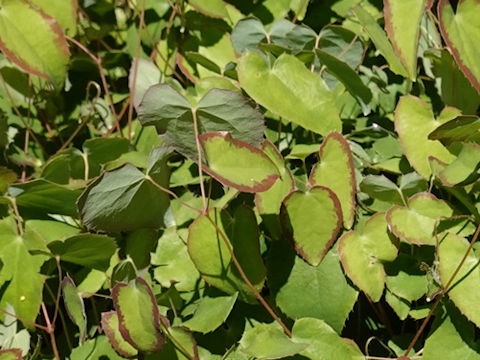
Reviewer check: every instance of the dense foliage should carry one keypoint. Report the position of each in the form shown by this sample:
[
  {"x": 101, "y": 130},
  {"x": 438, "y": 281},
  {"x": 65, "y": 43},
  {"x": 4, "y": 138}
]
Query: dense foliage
[{"x": 239, "y": 179}]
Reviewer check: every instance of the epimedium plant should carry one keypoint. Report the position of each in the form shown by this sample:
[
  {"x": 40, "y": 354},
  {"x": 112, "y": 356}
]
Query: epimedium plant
[{"x": 276, "y": 179}]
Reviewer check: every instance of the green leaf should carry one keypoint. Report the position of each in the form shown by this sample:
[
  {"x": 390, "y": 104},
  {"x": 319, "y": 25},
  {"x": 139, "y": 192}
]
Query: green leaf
[
  {"x": 301, "y": 290},
  {"x": 405, "y": 278},
  {"x": 95, "y": 349},
  {"x": 210, "y": 313},
  {"x": 64, "y": 11},
  {"x": 116, "y": 200},
  {"x": 300, "y": 212},
  {"x": 267, "y": 341},
  {"x": 402, "y": 23},
  {"x": 455, "y": 89},
  {"x": 268, "y": 202},
  {"x": 335, "y": 171},
  {"x": 102, "y": 150},
  {"x": 90, "y": 250},
  {"x": 380, "y": 40},
  {"x": 235, "y": 163},
  {"x": 20, "y": 276},
  {"x": 247, "y": 34},
  {"x": 414, "y": 121},
  {"x": 172, "y": 263},
  {"x": 290, "y": 90},
  {"x": 147, "y": 75},
  {"x": 463, "y": 291},
  {"x": 452, "y": 337},
  {"x": 34, "y": 41},
  {"x": 324, "y": 342},
  {"x": 172, "y": 116},
  {"x": 363, "y": 253},
  {"x": 382, "y": 188},
  {"x": 463, "y": 167},
  {"x": 75, "y": 306},
  {"x": 213, "y": 8},
  {"x": 462, "y": 128},
  {"x": 139, "y": 244},
  {"x": 415, "y": 224},
  {"x": 455, "y": 28},
  {"x": 7, "y": 177},
  {"x": 343, "y": 44},
  {"x": 110, "y": 326},
  {"x": 45, "y": 197},
  {"x": 181, "y": 345},
  {"x": 210, "y": 254},
  {"x": 139, "y": 319},
  {"x": 50, "y": 230},
  {"x": 11, "y": 354},
  {"x": 349, "y": 78}
]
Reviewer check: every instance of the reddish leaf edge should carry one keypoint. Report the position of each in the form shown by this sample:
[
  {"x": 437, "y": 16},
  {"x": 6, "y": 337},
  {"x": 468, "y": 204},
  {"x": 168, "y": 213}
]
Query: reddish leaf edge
[
  {"x": 454, "y": 51},
  {"x": 289, "y": 234},
  {"x": 16, "y": 352},
  {"x": 60, "y": 40},
  {"x": 121, "y": 317},
  {"x": 111, "y": 335},
  {"x": 353, "y": 185},
  {"x": 395, "y": 230},
  {"x": 264, "y": 185}
]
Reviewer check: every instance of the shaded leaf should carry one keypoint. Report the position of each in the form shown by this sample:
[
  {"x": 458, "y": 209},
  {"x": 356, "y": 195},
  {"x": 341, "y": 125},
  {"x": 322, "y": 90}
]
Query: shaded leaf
[{"x": 75, "y": 306}]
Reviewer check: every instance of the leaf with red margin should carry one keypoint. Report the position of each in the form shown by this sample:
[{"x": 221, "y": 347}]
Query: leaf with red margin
[
  {"x": 461, "y": 32},
  {"x": 237, "y": 164},
  {"x": 110, "y": 326},
  {"x": 33, "y": 40},
  {"x": 312, "y": 220},
  {"x": 268, "y": 203},
  {"x": 462, "y": 169},
  {"x": 335, "y": 171},
  {"x": 11, "y": 354},
  {"x": 402, "y": 23},
  {"x": 415, "y": 224},
  {"x": 138, "y": 315},
  {"x": 64, "y": 11},
  {"x": 362, "y": 254},
  {"x": 75, "y": 306}
]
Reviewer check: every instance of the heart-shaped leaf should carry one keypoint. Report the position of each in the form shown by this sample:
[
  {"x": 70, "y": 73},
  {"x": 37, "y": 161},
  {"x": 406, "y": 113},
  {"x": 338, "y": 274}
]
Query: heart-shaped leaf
[
  {"x": 458, "y": 26},
  {"x": 463, "y": 291},
  {"x": 218, "y": 110},
  {"x": 210, "y": 313},
  {"x": 414, "y": 121},
  {"x": 416, "y": 223},
  {"x": 324, "y": 342},
  {"x": 335, "y": 171},
  {"x": 75, "y": 306},
  {"x": 302, "y": 290},
  {"x": 210, "y": 254},
  {"x": 116, "y": 200},
  {"x": 300, "y": 214},
  {"x": 33, "y": 40},
  {"x": 110, "y": 326},
  {"x": 139, "y": 319},
  {"x": 363, "y": 252},
  {"x": 290, "y": 90},
  {"x": 267, "y": 341},
  {"x": 238, "y": 164},
  {"x": 402, "y": 23}
]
